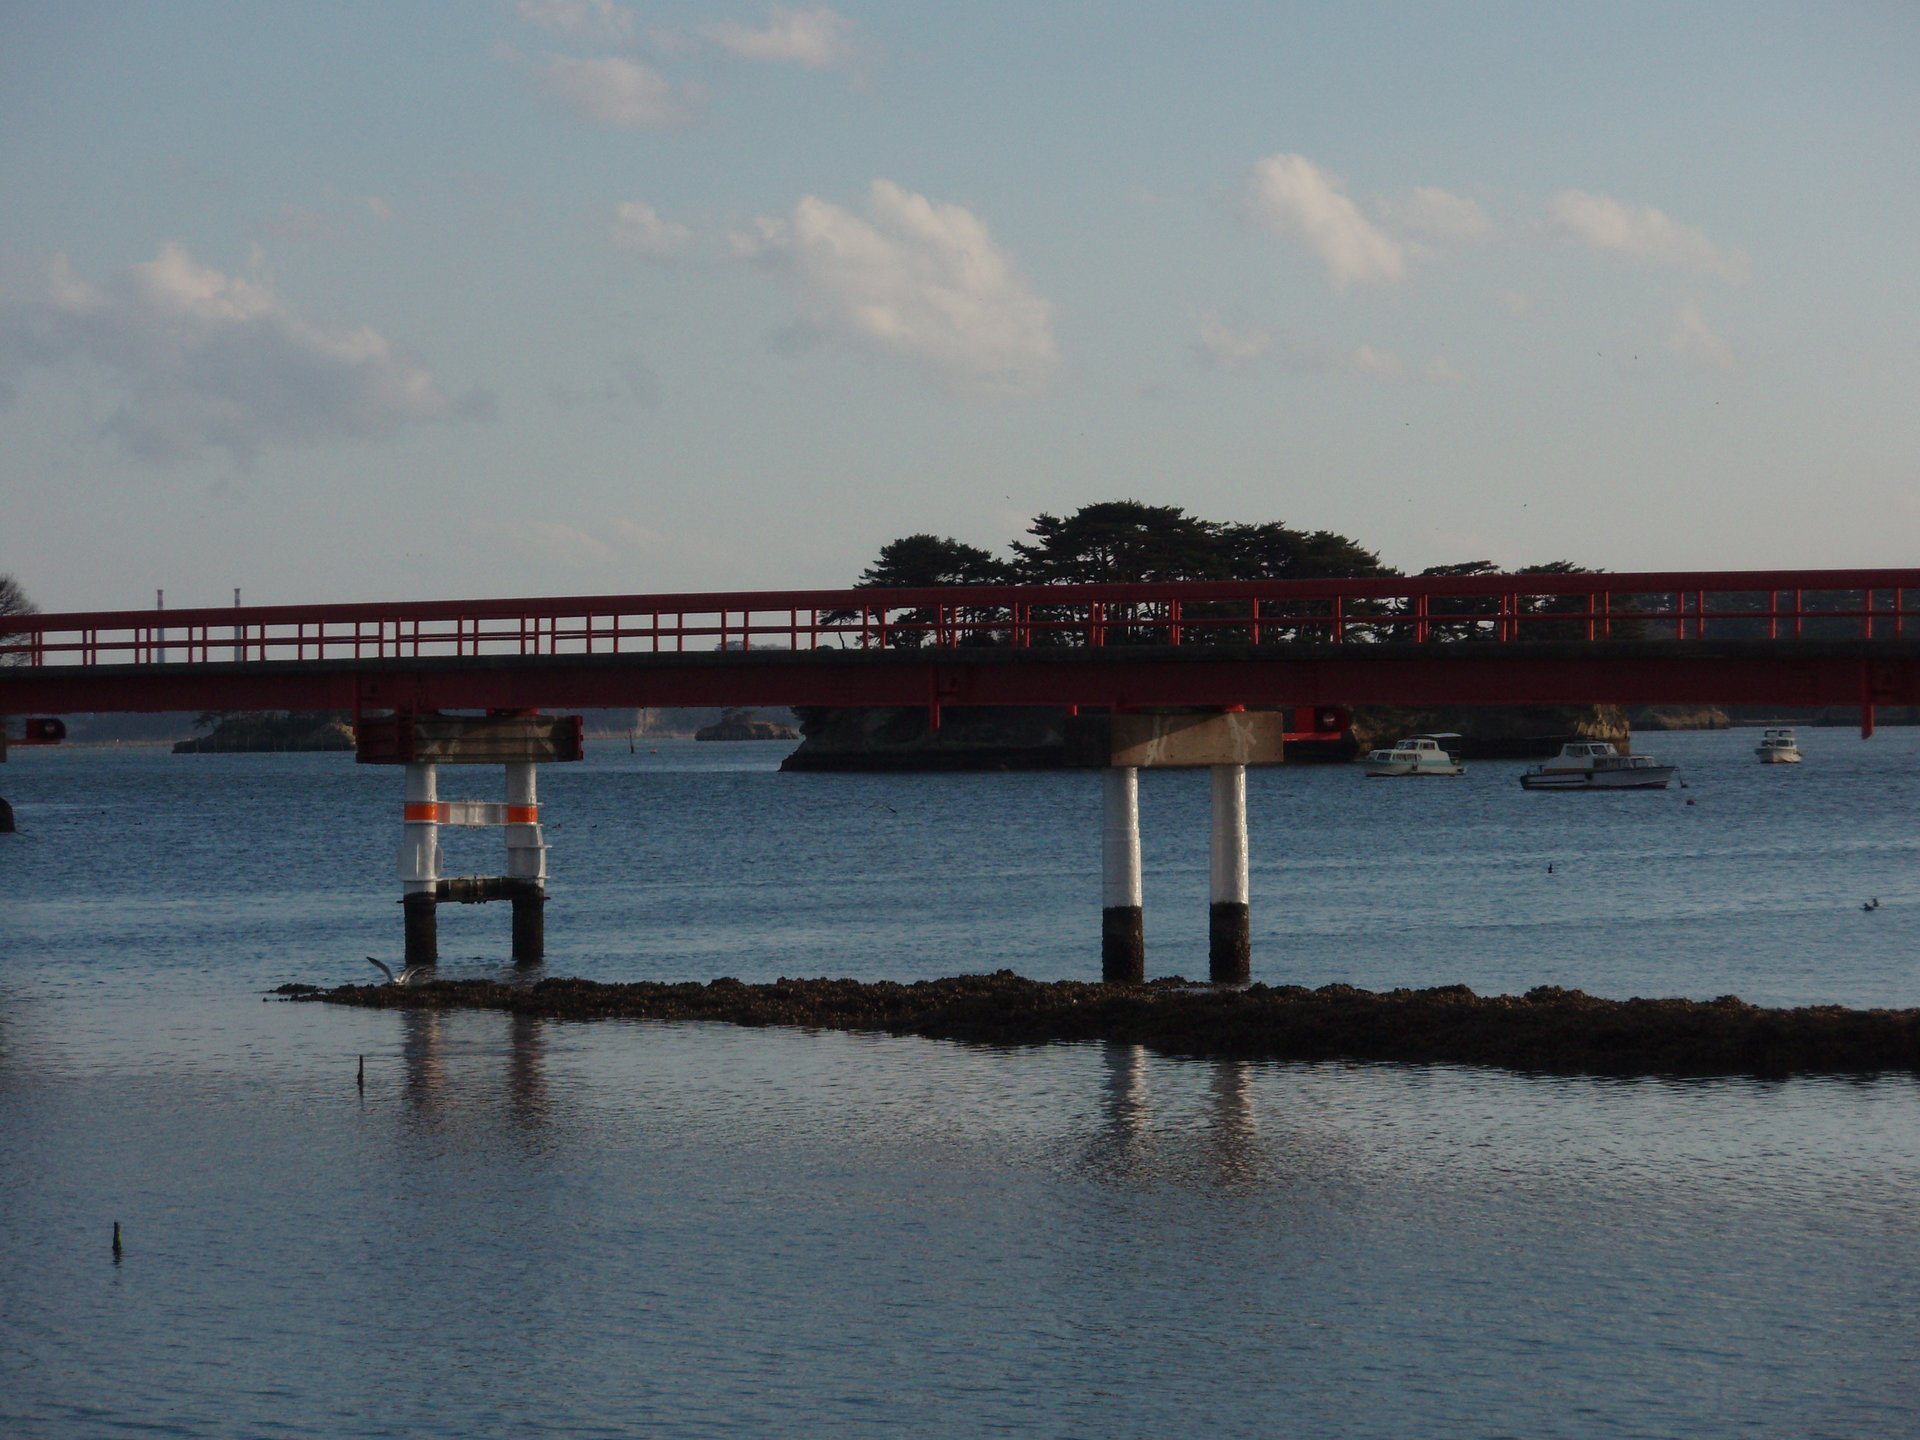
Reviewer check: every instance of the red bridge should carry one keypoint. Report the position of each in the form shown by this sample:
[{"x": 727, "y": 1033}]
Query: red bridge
[
  {"x": 1799, "y": 638},
  {"x": 1788, "y": 638}
]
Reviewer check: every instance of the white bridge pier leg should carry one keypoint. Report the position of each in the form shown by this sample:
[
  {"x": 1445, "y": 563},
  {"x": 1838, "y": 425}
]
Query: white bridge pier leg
[
  {"x": 420, "y": 864},
  {"x": 1229, "y": 948},
  {"x": 526, "y": 862},
  {"x": 1123, "y": 951}
]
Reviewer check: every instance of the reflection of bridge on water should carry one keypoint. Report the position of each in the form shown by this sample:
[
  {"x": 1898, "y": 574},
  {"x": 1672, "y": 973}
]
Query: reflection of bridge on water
[
  {"x": 1210, "y": 1135},
  {"x": 1133, "y": 1147},
  {"x": 1213, "y": 674},
  {"x": 428, "y": 1088}
]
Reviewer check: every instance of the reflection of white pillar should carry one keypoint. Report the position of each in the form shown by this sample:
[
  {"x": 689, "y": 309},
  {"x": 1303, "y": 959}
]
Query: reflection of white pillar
[
  {"x": 526, "y": 861},
  {"x": 1123, "y": 953},
  {"x": 420, "y": 862},
  {"x": 1229, "y": 950}
]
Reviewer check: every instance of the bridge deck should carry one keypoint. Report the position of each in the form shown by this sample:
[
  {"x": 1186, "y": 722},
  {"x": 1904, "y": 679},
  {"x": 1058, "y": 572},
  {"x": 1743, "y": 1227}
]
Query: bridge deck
[{"x": 1760, "y": 637}]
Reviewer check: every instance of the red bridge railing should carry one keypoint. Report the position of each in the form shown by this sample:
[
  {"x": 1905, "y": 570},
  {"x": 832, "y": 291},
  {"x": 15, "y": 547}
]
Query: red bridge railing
[{"x": 1498, "y": 609}]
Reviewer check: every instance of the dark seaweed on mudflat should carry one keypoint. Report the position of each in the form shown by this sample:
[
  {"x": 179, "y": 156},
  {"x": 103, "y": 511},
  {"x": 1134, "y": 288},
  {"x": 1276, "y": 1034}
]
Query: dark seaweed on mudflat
[{"x": 1546, "y": 1029}]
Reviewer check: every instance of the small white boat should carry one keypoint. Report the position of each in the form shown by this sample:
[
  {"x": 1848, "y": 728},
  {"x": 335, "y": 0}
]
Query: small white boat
[
  {"x": 1416, "y": 755},
  {"x": 1778, "y": 746},
  {"x": 1596, "y": 765}
]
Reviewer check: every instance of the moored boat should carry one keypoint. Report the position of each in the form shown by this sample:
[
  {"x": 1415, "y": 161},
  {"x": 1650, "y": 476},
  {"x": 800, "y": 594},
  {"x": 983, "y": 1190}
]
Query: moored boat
[
  {"x": 1597, "y": 765},
  {"x": 1778, "y": 746},
  {"x": 1416, "y": 755}
]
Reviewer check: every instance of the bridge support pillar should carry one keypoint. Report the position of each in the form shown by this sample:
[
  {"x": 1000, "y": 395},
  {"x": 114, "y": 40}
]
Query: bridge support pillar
[
  {"x": 420, "y": 864},
  {"x": 517, "y": 741},
  {"x": 1123, "y": 946},
  {"x": 1229, "y": 947},
  {"x": 526, "y": 862}
]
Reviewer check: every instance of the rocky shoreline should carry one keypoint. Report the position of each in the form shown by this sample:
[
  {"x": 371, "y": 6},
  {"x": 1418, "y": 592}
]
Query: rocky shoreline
[{"x": 1547, "y": 1029}]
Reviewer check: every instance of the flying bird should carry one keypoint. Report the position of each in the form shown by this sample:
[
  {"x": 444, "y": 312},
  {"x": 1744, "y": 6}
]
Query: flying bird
[{"x": 411, "y": 975}]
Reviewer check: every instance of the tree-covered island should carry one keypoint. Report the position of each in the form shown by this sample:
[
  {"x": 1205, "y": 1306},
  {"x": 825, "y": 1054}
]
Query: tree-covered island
[{"x": 1122, "y": 542}]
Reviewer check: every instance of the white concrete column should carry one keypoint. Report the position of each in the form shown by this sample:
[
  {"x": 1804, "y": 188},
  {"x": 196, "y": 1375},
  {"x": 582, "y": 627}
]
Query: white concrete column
[
  {"x": 526, "y": 862},
  {"x": 526, "y": 845},
  {"x": 1122, "y": 929},
  {"x": 420, "y": 846},
  {"x": 420, "y": 863},
  {"x": 1229, "y": 949}
]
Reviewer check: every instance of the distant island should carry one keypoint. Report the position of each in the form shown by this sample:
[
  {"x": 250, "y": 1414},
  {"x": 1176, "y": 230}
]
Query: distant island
[
  {"x": 233, "y": 731},
  {"x": 1126, "y": 541},
  {"x": 740, "y": 725}
]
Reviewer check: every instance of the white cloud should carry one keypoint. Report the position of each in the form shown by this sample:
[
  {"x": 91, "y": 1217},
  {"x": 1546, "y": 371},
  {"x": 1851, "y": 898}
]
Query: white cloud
[
  {"x": 298, "y": 222},
  {"x": 580, "y": 19},
  {"x": 1438, "y": 215},
  {"x": 1642, "y": 233},
  {"x": 551, "y": 540},
  {"x": 614, "y": 91},
  {"x": 640, "y": 228},
  {"x": 1301, "y": 202},
  {"x": 1383, "y": 364},
  {"x": 328, "y": 219},
  {"x": 633, "y": 385},
  {"x": 1222, "y": 348},
  {"x": 815, "y": 38},
  {"x": 207, "y": 360},
  {"x": 1695, "y": 339},
  {"x": 911, "y": 280}
]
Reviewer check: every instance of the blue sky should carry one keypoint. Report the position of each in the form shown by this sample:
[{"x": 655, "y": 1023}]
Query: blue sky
[{"x": 354, "y": 301}]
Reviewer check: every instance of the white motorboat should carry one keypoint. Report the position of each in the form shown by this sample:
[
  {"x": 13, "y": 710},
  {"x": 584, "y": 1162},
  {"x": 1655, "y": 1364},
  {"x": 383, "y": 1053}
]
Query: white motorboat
[
  {"x": 1416, "y": 755},
  {"x": 1597, "y": 765},
  {"x": 1778, "y": 746}
]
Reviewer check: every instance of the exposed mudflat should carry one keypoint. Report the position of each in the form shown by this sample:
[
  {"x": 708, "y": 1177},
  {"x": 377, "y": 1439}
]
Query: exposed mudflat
[{"x": 1546, "y": 1029}]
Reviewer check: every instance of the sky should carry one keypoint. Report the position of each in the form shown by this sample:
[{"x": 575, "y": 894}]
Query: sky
[{"x": 351, "y": 301}]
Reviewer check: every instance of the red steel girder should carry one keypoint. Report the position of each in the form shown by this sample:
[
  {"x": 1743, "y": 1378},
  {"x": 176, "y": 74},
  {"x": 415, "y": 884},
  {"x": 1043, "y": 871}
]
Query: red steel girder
[{"x": 1774, "y": 672}]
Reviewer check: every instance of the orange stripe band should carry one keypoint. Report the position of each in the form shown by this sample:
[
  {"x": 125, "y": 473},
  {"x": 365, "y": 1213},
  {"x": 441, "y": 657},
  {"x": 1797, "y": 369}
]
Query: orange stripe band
[
  {"x": 523, "y": 814},
  {"x": 424, "y": 810}
]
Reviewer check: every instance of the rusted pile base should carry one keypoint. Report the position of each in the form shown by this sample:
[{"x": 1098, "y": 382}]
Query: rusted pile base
[{"x": 1547, "y": 1029}]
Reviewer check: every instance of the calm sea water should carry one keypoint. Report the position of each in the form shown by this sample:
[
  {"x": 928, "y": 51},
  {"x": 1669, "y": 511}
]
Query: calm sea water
[{"x": 528, "y": 1228}]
